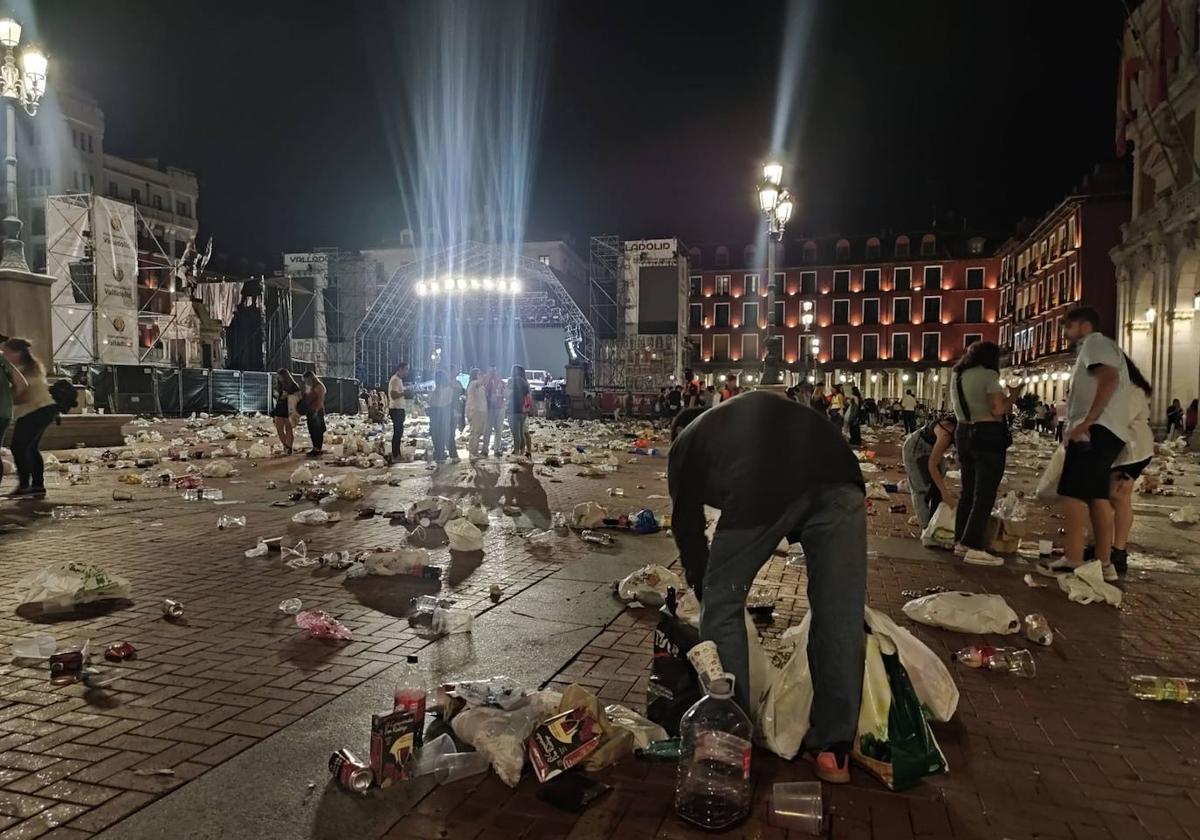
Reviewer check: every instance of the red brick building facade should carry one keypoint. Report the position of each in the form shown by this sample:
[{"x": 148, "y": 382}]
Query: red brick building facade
[{"x": 888, "y": 313}]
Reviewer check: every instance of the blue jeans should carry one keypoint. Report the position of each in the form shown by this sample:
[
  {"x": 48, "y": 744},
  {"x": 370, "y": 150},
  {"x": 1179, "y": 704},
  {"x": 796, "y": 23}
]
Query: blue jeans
[
  {"x": 925, "y": 494},
  {"x": 830, "y": 522}
]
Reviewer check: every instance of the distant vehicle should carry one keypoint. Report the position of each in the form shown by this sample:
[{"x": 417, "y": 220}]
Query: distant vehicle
[{"x": 538, "y": 379}]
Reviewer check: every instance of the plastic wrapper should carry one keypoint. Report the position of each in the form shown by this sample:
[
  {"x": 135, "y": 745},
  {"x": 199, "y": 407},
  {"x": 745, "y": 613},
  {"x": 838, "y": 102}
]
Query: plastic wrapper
[
  {"x": 350, "y": 488},
  {"x": 475, "y": 514},
  {"x": 301, "y": 475},
  {"x": 449, "y": 622},
  {"x": 217, "y": 469},
  {"x": 259, "y": 550},
  {"x": 1185, "y": 517},
  {"x": 225, "y": 521},
  {"x": 321, "y": 625},
  {"x": 464, "y": 536},
  {"x": 641, "y": 728},
  {"x": 649, "y": 580},
  {"x": 876, "y": 491},
  {"x": 588, "y": 515},
  {"x": 312, "y": 516},
  {"x": 258, "y": 451},
  {"x": 966, "y": 612},
  {"x": 1010, "y": 508},
  {"x": 504, "y": 692},
  {"x": 438, "y": 510},
  {"x": 405, "y": 561},
  {"x": 500, "y": 735},
  {"x": 65, "y": 585}
]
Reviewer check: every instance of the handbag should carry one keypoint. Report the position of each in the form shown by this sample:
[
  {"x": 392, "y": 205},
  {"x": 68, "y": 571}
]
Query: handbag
[{"x": 984, "y": 437}]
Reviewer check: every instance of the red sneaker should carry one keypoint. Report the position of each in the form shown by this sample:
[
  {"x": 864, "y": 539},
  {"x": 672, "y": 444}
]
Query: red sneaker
[{"x": 831, "y": 766}]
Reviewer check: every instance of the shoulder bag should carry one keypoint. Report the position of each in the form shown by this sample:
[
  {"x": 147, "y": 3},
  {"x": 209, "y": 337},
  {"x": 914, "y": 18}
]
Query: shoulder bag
[{"x": 987, "y": 436}]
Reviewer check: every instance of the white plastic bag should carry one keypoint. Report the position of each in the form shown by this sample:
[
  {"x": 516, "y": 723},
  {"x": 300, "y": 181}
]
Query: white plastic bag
[
  {"x": 437, "y": 509},
  {"x": 1086, "y": 585},
  {"x": 1047, "y": 486},
  {"x": 876, "y": 491},
  {"x": 405, "y": 561},
  {"x": 349, "y": 487},
  {"x": 64, "y": 585},
  {"x": 588, "y": 515},
  {"x": 929, "y": 675},
  {"x": 464, "y": 536},
  {"x": 301, "y": 475},
  {"x": 258, "y": 451},
  {"x": 782, "y": 719},
  {"x": 501, "y": 735},
  {"x": 475, "y": 514},
  {"x": 966, "y": 612},
  {"x": 312, "y": 516},
  {"x": 217, "y": 469},
  {"x": 1184, "y": 517},
  {"x": 649, "y": 581},
  {"x": 940, "y": 530}
]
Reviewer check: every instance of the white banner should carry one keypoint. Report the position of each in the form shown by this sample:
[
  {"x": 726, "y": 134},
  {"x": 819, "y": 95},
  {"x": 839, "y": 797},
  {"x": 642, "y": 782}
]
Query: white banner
[
  {"x": 72, "y": 294},
  {"x": 116, "y": 282}
]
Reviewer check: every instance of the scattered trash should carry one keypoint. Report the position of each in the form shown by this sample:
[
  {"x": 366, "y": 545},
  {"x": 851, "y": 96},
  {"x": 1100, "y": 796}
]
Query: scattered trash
[
  {"x": 449, "y": 622},
  {"x": 965, "y": 612},
  {"x": 714, "y": 788},
  {"x": 560, "y": 742},
  {"x": 321, "y": 625},
  {"x": 395, "y": 740},
  {"x": 217, "y": 469},
  {"x": 597, "y": 538},
  {"x": 63, "y": 586},
  {"x": 440, "y": 759},
  {"x": 648, "y": 585},
  {"x": 464, "y": 536},
  {"x": 120, "y": 651},
  {"x": 1185, "y": 517},
  {"x": 291, "y": 606},
  {"x": 34, "y": 646},
  {"x": 122, "y": 496},
  {"x": 495, "y": 593},
  {"x": 588, "y": 515},
  {"x": 350, "y": 772},
  {"x": 301, "y": 475},
  {"x": 504, "y": 692},
  {"x": 797, "y": 806},
  {"x": 66, "y": 667},
  {"x": 1016, "y": 661},
  {"x": 876, "y": 491},
  {"x": 616, "y": 491},
  {"x": 1174, "y": 689},
  {"x": 1086, "y": 585},
  {"x": 939, "y": 533},
  {"x": 312, "y": 516},
  {"x": 172, "y": 610},
  {"x": 1037, "y": 629},
  {"x": 500, "y": 734},
  {"x": 226, "y": 521},
  {"x": 259, "y": 550},
  {"x": 203, "y": 494},
  {"x": 1010, "y": 508},
  {"x": 64, "y": 512},
  {"x": 155, "y": 771},
  {"x": 1033, "y": 583}
]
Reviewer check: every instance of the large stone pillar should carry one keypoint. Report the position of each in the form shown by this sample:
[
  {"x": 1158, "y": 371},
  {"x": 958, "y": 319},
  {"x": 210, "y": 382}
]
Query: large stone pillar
[{"x": 25, "y": 309}]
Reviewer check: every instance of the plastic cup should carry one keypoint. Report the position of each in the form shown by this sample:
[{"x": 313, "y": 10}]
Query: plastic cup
[
  {"x": 1045, "y": 548},
  {"x": 450, "y": 622},
  {"x": 706, "y": 660},
  {"x": 35, "y": 646},
  {"x": 797, "y": 806},
  {"x": 461, "y": 765}
]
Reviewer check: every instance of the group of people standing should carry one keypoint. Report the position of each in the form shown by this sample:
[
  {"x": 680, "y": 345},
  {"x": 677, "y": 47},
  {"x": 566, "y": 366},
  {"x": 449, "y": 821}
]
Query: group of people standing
[
  {"x": 294, "y": 400},
  {"x": 1107, "y": 439}
]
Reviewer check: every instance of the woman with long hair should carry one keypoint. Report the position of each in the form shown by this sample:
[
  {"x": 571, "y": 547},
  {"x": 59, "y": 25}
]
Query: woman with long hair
[
  {"x": 981, "y": 406},
  {"x": 854, "y": 415},
  {"x": 287, "y": 396},
  {"x": 923, "y": 453},
  {"x": 1134, "y": 458},
  {"x": 520, "y": 407},
  {"x": 33, "y": 410},
  {"x": 314, "y": 412},
  {"x": 1174, "y": 416}
]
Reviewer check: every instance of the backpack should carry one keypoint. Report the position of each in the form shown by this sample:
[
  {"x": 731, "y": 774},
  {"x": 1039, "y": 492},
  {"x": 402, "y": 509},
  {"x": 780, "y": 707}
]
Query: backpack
[{"x": 65, "y": 396}]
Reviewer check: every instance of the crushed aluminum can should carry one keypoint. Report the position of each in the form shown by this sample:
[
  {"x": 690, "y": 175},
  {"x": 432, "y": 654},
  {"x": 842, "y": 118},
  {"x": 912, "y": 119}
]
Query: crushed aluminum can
[
  {"x": 172, "y": 609},
  {"x": 350, "y": 772},
  {"x": 120, "y": 651},
  {"x": 66, "y": 667}
]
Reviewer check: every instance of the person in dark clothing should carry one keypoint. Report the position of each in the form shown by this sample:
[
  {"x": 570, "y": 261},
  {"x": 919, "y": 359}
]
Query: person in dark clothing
[
  {"x": 675, "y": 400},
  {"x": 777, "y": 469},
  {"x": 314, "y": 412}
]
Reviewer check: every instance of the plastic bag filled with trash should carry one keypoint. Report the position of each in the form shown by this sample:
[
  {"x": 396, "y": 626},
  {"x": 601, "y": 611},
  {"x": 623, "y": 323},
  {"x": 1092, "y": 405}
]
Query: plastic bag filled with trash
[
  {"x": 63, "y": 586},
  {"x": 501, "y": 735},
  {"x": 464, "y": 536}
]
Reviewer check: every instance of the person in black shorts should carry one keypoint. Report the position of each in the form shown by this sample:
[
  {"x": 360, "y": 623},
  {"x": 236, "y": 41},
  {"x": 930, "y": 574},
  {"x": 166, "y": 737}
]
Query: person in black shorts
[
  {"x": 1097, "y": 430},
  {"x": 287, "y": 395}
]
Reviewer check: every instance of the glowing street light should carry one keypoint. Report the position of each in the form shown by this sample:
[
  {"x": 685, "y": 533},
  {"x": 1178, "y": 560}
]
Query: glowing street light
[
  {"x": 775, "y": 203},
  {"x": 25, "y": 85}
]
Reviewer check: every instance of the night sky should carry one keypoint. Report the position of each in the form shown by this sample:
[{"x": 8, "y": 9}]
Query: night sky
[{"x": 654, "y": 119}]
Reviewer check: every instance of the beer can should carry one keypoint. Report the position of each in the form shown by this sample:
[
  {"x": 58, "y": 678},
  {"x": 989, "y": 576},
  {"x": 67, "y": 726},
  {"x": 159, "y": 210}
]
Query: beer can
[
  {"x": 350, "y": 773},
  {"x": 122, "y": 496},
  {"x": 172, "y": 609}
]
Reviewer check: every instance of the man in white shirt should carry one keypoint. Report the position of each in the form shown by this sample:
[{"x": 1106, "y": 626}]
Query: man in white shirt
[
  {"x": 908, "y": 412},
  {"x": 1097, "y": 430},
  {"x": 397, "y": 406}
]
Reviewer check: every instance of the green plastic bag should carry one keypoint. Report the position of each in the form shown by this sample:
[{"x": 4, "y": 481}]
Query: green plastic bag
[{"x": 894, "y": 741}]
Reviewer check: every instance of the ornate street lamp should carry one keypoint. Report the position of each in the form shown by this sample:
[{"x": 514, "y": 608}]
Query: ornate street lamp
[
  {"x": 25, "y": 85},
  {"x": 775, "y": 202}
]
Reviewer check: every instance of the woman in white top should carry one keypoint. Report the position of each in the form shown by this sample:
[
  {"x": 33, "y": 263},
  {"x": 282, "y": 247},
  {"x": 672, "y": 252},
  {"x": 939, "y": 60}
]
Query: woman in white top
[
  {"x": 34, "y": 410},
  {"x": 1129, "y": 464}
]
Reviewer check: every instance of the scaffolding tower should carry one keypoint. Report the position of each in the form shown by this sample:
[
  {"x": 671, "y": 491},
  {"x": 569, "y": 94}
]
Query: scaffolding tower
[{"x": 607, "y": 310}]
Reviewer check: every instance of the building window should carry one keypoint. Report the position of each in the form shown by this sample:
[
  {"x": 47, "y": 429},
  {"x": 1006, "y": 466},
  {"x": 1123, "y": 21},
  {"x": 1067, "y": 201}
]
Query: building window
[
  {"x": 841, "y": 348},
  {"x": 870, "y": 311},
  {"x": 38, "y": 221},
  {"x": 841, "y": 312},
  {"x": 748, "y": 255},
  {"x": 723, "y": 284},
  {"x": 974, "y": 313},
  {"x": 871, "y": 280},
  {"x": 931, "y": 346},
  {"x": 873, "y": 248},
  {"x": 808, "y": 282},
  {"x": 90, "y": 149},
  {"x": 902, "y": 247},
  {"x": 694, "y": 282},
  {"x": 870, "y": 347},
  {"x": 39, "y": 258},
  {"x": 158, "y": 206},
  {"x": 721, "y": 315},
  {"x": 842, "y": 252},
  {"x": 750, "y": 347},
  {"x": 928, "y": 245},
  {"x": 902, "y": 310},
  {"x": 902, "y": 279},
  {"x": 778, "y": 313},
  {"x": 809, "y": 254},
  {"x": 695, "y": 315},
  {"x": 780, "y": 282},
  {"x": 975, "y": 278},
  {"x": 184, "y": 208},
  {"x": 975, "y": 245},
  {"x": 900, "y": 347},
  {"x": 1073, "y": 286},
  {"x": 841, "y": 281},
  {"x": 750, "y": 284},
  {"x": 74, "y": 138},
  {"x": 749, "y": 316},
  {"x": 933, "y": 277},
  {"x": 721, "y": 346},
  {"x": 113, "y": 189},
  {"x": 544, "y": 259},
  {"x": 1071, "y": 233},
  {"x": 135, "y": 196},
  {"x": 932, "y": 310}
]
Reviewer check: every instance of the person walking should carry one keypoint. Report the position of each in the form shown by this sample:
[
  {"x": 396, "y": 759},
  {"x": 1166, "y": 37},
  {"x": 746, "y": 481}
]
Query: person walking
[
  {"x": 777, "y": 469},
  {"x": 441, "y": 416},
  {"x": 854, "y": 415},
  {"x": 923, "y": 453},
  {"x": 1097, "y": 432},
  {"x": 520, "y": 406},
  {"x": 1174, "y": 419},
  {"x": 12, "y": 388},
  {"x": 1134, "y": 458},
  {"x": 982, "y": 436},
  {"x": 398, "y": 406},
  {"x": 314, "y": 411},
  {"x": 283, "y": 412},
  {"x": 34, "y": 409},
  {"x": 476, "y": 413},
  {"x": 494, "y": 387},
  {"x": 908, "y": 412}
]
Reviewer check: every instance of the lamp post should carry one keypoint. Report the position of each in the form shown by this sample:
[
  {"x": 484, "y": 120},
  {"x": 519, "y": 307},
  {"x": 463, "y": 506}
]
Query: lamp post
[
  {"x": 775, "y": 202},
  {"x": 24, "y": 85}
]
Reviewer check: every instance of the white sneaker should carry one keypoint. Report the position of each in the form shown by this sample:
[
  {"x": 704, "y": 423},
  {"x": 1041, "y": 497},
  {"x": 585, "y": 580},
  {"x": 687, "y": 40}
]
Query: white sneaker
[
  {"x": 1110, "y": 573},
  {"x": 977, "y": 557},
  {"x": 959, "y": 549}
]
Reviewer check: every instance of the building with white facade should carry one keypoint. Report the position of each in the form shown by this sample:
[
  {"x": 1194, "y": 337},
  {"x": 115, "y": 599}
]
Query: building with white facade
[{"x": 1158, "y": 260}]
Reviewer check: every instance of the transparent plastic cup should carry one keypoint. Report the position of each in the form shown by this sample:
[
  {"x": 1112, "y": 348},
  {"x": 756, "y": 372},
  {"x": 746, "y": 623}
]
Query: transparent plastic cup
[
  {"x": 461, "y": 765},
  {"x": 35, "y": 646},
  {"x": 798, "y": 806}
]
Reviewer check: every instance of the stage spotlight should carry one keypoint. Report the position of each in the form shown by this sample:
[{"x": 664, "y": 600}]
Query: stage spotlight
[
  {"x": 514, "y": 286},
  {"x": 422, "y": 289},
  {"x": 488, "y": 284}
]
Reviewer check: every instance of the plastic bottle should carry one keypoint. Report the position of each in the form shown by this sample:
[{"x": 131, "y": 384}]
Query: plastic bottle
[
  {"x": 713, "y": 787},
  {"x": 413, "y": 693},
  {"x": 1014, "y": 660},
  {"x": 1037, "y": 629},
  {"x": 1176, "y": 689}
]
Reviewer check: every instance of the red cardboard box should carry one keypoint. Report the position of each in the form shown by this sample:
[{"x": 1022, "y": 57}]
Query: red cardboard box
[{"x": 561, "y": 742}]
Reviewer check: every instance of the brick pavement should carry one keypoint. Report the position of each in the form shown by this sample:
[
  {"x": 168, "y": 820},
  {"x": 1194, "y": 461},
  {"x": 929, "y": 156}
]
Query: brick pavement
[{"x": 236, "y": 669}]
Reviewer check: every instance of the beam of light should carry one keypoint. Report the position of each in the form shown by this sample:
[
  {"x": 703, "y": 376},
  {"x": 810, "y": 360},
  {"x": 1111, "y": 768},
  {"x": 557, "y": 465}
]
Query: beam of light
[
  {"x": 460, "y": 86},
  {"x": 797, "y": 33}
]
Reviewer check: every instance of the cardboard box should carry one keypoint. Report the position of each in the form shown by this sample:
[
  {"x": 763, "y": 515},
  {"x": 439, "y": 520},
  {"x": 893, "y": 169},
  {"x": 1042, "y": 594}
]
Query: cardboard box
[
  {"x": 561, "y": 742},
  {"x": 1003, "y": 536},
  {"x": 395, "y": 738}
]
